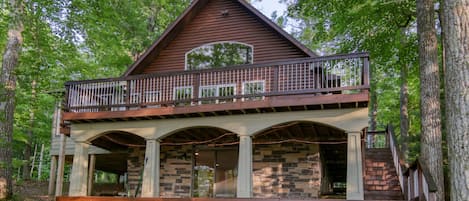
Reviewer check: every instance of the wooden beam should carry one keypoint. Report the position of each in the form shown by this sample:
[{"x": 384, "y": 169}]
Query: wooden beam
[{"x": 280, "y": 101}]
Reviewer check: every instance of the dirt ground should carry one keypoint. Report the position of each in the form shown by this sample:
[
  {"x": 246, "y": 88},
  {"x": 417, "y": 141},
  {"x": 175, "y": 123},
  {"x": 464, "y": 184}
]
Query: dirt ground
[{"x": 31, "y": 191}]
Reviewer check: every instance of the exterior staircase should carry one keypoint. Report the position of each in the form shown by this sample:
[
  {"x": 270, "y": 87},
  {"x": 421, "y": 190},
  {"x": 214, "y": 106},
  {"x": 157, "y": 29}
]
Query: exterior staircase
[{"x": 381, "y": 180}]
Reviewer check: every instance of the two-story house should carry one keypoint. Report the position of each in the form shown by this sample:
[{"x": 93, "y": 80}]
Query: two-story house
[{"x": 225, "y": 104}]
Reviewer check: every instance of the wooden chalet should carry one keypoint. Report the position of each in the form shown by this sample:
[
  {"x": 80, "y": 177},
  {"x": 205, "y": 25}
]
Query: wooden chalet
[{"x": 225, "y": 104}]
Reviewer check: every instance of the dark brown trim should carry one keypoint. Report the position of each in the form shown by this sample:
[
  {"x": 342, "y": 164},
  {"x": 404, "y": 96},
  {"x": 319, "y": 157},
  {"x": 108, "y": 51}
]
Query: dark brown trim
[
  {"x": 195, "y": 7},
  {"x": 279, "y": 30},
  {"x": 95, "y": 198},
  {"x": 269, "y": 102},
  {"x": 172, "y": 30},
  {"x": 247, "y": 66}
]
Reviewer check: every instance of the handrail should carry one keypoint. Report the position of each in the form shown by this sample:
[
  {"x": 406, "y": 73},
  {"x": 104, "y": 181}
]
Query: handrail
[
  {"x": 420, "y": 181},
  {"x": 399, "y": 164},
  {"x": 235, "y": 67},
  {"x": 345, "y": 73},
  {"x": 415, "y": 180}
]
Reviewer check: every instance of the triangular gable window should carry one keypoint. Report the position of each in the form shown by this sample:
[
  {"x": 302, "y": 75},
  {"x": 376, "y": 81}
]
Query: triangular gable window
[{"x": 219, "y": 54}]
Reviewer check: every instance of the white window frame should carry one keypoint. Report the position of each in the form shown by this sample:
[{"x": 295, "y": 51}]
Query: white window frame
[
  {"x": 182, "y": 87},
  {"x": 243, "y": 87},
  {"x": 217, "y": 91}
]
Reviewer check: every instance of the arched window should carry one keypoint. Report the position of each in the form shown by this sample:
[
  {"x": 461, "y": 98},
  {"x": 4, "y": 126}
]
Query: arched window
[{"x": 219, "y": 54}]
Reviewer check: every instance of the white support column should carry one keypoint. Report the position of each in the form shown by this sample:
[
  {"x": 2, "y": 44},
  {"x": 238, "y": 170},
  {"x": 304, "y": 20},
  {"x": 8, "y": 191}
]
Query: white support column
[
  {"x": 91, "y": 169},
  {"x": 244, "y": 185},
  {"x": 354, "y": 167},
  {"x": 79, "y": 177},
  {"x": 151, "y": 171}
]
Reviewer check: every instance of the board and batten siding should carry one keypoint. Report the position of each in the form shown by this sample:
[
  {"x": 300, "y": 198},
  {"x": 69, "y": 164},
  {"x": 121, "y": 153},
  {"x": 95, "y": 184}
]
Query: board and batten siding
[{"x": 209, "y": 26}]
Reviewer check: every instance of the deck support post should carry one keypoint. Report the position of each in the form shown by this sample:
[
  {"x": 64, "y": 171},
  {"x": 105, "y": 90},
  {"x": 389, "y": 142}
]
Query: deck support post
[
  {"x": 91, "y": 173},
  {"x": 354, "y": 167},
  {"x": 244, "y": 185},
  {"x": 151, "y": 171},
  {"x": 60, "y": 166},
  {"x": 52, "y": 175},
  {"x": 79, "y": 177}
]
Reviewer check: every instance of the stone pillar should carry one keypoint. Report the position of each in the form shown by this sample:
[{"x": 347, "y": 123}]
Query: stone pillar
[
  {"x": 151, "y": 171},
  {"x": 354, "y": 167},
  {"x": 52, "y": 175},
  {"x": 91, "y": 173},
  {"x": 79, "y": 177},
  {"x": 244, "y": 185}
]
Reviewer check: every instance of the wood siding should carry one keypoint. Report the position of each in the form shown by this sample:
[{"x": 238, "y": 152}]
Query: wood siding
[
  {"x": 211, "y": 26},
  {"x": 70, "y": 147}
]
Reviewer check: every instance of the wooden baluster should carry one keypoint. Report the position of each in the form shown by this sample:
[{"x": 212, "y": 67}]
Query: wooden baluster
[{"x": 366, "y": 72}]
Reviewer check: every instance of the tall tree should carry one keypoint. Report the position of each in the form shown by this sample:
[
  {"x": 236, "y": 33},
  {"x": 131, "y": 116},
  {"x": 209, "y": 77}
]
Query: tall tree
[
  {"x": 404, "y": 95},
  {"x": 7, "y": 96},
  {"x": 456, "y": 40},
  {"x": 386, "y": 30},
  {"x": 430, "y": 138}
]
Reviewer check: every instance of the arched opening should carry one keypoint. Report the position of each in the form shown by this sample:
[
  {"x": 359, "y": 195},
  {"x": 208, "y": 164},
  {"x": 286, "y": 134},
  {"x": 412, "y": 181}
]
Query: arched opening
[
  {"x": 118, "y": 171},
  {"x": 199, "y": 162},
  {"x": 219, "y": 54},
  {"x": 300, "y": 160}
]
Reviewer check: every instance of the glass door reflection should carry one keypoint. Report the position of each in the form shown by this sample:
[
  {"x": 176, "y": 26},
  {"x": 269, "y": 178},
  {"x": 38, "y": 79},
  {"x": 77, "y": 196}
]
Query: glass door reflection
[{"x": 215, "y": 173}]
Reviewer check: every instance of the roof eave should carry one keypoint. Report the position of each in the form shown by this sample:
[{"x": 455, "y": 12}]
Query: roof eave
[{"x": 198, "y": 4}]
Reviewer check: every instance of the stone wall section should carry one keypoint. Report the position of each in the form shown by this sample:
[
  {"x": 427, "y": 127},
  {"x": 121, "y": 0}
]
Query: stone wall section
[
  {"x": 134, "y": 169},
  {"x": 176, "y": 171},
  {"x": 286, "y": 171}
]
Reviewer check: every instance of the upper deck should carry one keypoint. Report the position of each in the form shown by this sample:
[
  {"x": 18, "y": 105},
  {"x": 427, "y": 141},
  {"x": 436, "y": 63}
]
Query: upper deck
[{"x": 339, "y": 81}]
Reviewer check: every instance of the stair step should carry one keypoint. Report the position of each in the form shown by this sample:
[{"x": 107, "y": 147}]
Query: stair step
[
  {"x": 383, "y": 195},
  {"x": 381, "y": 181}
]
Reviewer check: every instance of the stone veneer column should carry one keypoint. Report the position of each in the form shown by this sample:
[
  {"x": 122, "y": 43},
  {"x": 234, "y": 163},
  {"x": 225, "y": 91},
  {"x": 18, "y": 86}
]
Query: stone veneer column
[
  {"x": 79, "y": 177},
  {"x": 151, "y": 171},
  {"x": 354, "y": 167},
  {"x": 244, "y": 185}
]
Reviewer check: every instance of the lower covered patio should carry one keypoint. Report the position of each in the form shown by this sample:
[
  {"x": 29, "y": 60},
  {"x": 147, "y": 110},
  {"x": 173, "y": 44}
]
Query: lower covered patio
[{"x": 282, "y": 157}]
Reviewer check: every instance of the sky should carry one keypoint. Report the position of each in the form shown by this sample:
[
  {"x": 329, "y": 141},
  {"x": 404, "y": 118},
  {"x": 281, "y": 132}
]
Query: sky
[{"x": 267, "y": 7}]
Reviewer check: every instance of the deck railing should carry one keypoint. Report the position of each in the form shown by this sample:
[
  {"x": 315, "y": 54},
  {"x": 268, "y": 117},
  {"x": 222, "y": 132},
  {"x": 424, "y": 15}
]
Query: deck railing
[
  {"x": 414, "y": 180},
  {"x": 347, "y": 73}
]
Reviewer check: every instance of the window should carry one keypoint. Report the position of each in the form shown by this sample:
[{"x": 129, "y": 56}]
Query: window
[
  {"x": 217, "y": 55},
  {"x": 151, "y": 97},
  {"x": 219, "y": 91},
  {"x": 183, "y": 93},
  {"x": 254, "y": 87}
]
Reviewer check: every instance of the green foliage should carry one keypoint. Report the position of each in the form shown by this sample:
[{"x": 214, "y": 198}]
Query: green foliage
[
  {"x": 75, "y": 40},
  {"x": 385, "y": 29}
]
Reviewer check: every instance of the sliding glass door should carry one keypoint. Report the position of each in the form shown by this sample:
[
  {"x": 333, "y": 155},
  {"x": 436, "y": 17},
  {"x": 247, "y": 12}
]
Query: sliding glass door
[{"x": 215, "y": 172}]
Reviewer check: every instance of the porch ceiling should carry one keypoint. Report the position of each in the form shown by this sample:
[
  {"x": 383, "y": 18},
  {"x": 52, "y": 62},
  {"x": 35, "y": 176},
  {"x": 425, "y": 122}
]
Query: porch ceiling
[
  {"x": 299, "y": 131},
  {"x": 117, "y": 141}
]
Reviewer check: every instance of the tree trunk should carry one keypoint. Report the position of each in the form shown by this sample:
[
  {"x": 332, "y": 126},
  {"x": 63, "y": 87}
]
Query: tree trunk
[
  {"x": 39, "y": 168},
  {"x": 430, "y": 140},
  {"x": 7, "y": 98},
  {"x": 456, "y": 29},
  {"x": 404, "y": 98}
]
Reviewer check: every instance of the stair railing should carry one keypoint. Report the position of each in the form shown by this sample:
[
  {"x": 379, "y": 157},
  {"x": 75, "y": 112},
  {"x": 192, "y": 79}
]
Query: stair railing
[
  {"x": 396, "y": 155},
  {"x": 416, "y": 183}
]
